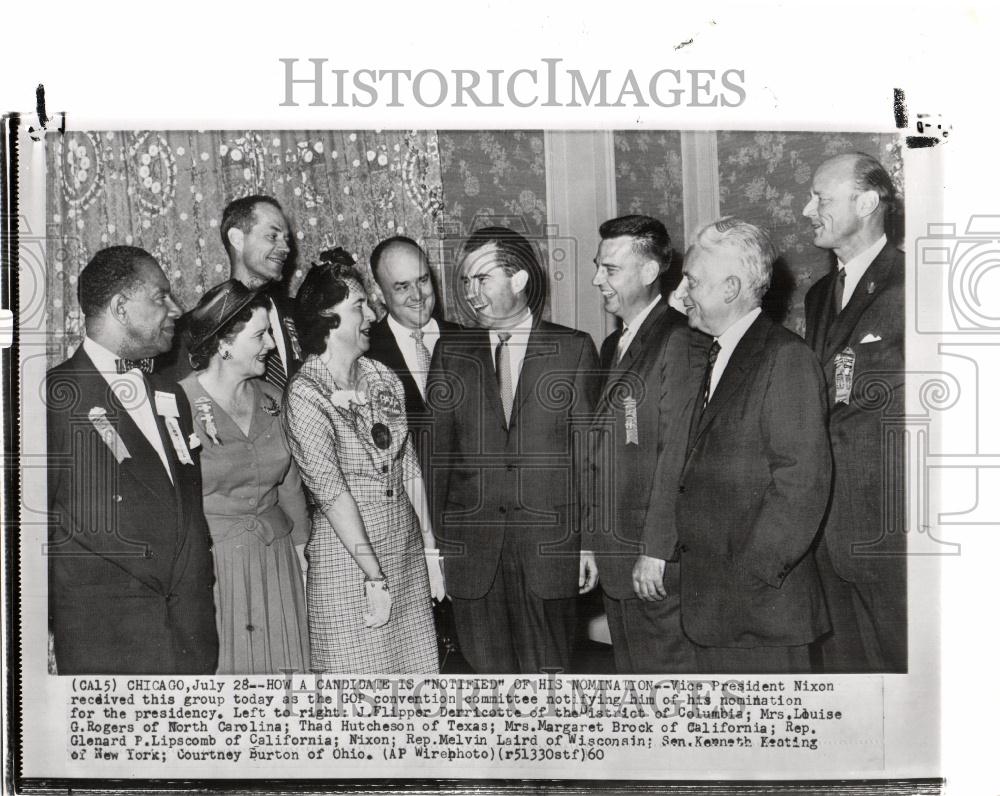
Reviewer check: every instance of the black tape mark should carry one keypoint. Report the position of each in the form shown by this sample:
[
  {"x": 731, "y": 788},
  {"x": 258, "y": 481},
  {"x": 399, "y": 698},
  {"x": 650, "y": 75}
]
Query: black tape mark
[
  {"x": 899, "y": 108},
  {"x": 920, "y": 141},
  {"x": 684, "y": 44},
  {"x": 43, "y": 119}
]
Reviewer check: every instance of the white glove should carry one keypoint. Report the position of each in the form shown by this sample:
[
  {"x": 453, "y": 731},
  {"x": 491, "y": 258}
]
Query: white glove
[
  {"x": 432, "y": 557},
  {"x": 379, "y": 603}
]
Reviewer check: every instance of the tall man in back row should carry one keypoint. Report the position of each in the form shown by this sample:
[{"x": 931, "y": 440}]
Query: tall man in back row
[
  {"x": 509, "y": 402},
  {"x": 641, "y": 591},
  {"x": 256, "y": 238},
  {"x": 854, "y": 323}
]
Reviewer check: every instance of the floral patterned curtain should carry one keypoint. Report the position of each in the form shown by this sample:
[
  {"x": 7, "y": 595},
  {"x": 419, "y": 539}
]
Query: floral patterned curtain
[{"x": 165, "y": 192}]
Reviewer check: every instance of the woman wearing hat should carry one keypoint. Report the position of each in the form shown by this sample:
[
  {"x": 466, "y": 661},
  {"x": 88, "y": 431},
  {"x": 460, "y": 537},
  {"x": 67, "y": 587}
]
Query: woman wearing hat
[
  {"x": 253, "y": 497},
  {"x": 368, "y": 593}
]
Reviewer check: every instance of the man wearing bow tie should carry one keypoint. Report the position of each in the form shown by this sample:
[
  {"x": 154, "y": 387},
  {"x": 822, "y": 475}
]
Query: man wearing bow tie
[
  {"x": 130, "y": 566},
  {"x": 641, "y": 590},
  {"x": 256, "y": 238},
  {"x": 854, "y": 323}
]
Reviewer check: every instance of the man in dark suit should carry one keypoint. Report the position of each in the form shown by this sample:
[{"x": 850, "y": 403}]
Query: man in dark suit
[
  {"x": 754, "y": 474},
  {"x": 854, "y": 323},
  {"x": 130, "y": 566},
  {"x": 406, "y": 337},
  {"x": 641, "y": 595},
  {"x": 510, "y": 401},
  {"x": 255, "y": 235}
]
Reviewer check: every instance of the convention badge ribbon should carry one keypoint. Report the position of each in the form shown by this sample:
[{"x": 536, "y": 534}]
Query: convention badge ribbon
[
  {"x": 203, "y": 409},
  {"x": 99, "y": 417},
  {"x": 166, "y": 407},
  {"x": 631, "y": 422},
  {"x": 843, "y": 375}
]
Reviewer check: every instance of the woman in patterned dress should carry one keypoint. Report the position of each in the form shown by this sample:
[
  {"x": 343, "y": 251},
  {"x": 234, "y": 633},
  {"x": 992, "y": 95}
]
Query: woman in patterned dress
[
  {"x": 253, "y": 496},
  {"x": 368, "y": 591}
]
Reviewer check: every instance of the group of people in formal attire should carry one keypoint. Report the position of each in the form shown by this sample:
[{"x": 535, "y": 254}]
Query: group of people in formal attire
[{"x": 266, "y": 485}]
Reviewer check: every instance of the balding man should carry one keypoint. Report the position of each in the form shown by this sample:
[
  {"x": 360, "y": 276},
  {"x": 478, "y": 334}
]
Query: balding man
[
  {"x": 854, "y": 323},
  {"x": 753, "y": 475},
  {"x": 406, "y": 337}
]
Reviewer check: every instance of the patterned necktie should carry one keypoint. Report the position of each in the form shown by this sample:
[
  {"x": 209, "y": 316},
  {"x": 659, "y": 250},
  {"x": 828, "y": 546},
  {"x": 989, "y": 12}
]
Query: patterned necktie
[
  {"x": 838, "y": 290},
  {"x": 423, "y": 359},
  {"x": 274, "y": 369},
  {"x": 144, "y": 365},
  {"x": 706, "y": 389},
  {"x": 502, "y": 362},
  {"x": 622, "y": 344}
]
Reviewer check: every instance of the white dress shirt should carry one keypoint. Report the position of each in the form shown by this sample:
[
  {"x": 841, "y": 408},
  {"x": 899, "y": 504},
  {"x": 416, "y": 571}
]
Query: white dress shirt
[
  {"x": 629, "y": 329},
  {"x": 517, "y": 345},
  {"x": 728, "y": 341},
  {"x": 130, "y": 389},
  {"x": 408, "y": 346},
  {"x": 855, "y": 268}
]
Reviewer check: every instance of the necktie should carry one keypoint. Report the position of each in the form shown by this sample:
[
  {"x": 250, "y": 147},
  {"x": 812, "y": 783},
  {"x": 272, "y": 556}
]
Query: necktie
[
  {"x": 144, "y": 365},
  {"x": 622, "y": 344},
  {"x": 423, "y": 359},
  {"x": 838, "y": 290},
  {"x": 502, "y": 362},
  {"x": 706, "y": 389}
]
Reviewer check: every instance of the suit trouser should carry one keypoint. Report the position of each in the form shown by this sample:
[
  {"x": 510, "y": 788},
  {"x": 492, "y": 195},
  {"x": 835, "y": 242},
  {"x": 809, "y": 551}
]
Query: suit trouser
[
  {"x": 511, "y": 630},
  {"x": 646, "y": 637},
  {"x": 869, "y": 623},
  {"x": 754, "y": 660}
]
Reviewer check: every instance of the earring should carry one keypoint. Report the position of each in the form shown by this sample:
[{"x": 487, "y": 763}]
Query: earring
[{"x": 226, "y": 355}]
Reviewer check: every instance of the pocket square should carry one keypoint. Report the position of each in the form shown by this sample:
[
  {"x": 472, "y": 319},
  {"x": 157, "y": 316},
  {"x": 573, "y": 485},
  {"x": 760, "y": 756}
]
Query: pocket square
[{"x": 870, "y": 338}]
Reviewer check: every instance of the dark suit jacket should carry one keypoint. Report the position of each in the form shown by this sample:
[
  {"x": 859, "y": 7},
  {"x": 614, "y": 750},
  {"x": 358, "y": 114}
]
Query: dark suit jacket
[
  {"x": 174, "y": 365},
  {"x": 620, "y": 473},
  {"x": 864, "y": 529},
  {"x": 130, "y": 565},
  {"x": 489, "y": 482},
  {"x": 751, "y": 494},
  {"x": 385, "y": 349}
]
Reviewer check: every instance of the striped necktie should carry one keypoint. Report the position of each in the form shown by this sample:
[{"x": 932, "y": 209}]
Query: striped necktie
[{"x": 274, "y": 369}]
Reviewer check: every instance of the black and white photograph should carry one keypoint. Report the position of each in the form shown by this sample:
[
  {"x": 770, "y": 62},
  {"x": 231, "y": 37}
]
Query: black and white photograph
[{"x": 446, "y": 419}]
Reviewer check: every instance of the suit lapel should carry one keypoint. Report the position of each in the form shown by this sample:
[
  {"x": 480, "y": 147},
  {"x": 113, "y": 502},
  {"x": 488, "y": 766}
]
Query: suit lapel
[
  {"x": 873, "y": 282},
  {"x": 745, "y": 357},
  {"x": 144, "y": 463},
  {"x": 491, "y": 390},
  {"x": 816, "y": 334},
  {"x": 632, "y": 361},
  {"x": 531, "y": 371}
]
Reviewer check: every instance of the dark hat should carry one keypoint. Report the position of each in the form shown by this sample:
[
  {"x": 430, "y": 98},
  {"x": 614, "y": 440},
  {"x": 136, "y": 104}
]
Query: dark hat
[{"x": 216, "y": 309}]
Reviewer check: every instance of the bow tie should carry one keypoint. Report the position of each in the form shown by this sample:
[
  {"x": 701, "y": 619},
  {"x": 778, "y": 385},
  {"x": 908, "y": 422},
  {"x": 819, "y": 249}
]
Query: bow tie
[{"x": 124, "y": 365}]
